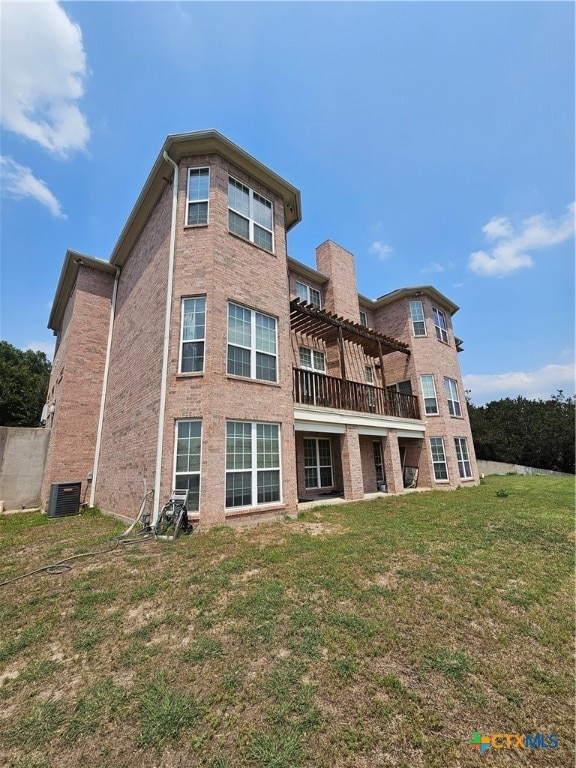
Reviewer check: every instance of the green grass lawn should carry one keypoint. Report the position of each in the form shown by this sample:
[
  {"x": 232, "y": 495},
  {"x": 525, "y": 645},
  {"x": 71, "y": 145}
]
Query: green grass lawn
[{"x": 381, "y": 633}]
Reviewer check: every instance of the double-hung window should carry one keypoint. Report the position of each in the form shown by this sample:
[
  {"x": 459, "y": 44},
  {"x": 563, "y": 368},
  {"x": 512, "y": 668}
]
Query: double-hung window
[
  {"x": 317, "y": 463},
  {"x": 198, "y": 193},
  {"x": 187, "y": 460},
  {"x": 250, "y": 215},
  {"x": 363, "y": 318},
  {"x": 252, "y": 344},
  {"x": 193, "y": 335},
  {"x": 312, "y": 360},
  {"x": 464, "y": 466},
  {"x": 252, "y": 463},
  {"x": 451, "y": 388},
  {"x": 440, "y": 325},
  {"x": 429, "y": 393},
  {"x": 439, "y": 458},
  {"x": 417, "y": 315},
  {"x": 308, "y": 295}
]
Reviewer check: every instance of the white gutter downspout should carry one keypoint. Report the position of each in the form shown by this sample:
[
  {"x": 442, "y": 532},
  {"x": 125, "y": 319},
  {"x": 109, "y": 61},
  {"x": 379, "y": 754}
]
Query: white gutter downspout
[
  {"x": 104, "y": 389},
  {"x": 168, "y": 318}
]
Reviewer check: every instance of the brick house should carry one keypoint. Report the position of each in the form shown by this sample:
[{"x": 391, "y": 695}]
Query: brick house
[{"x": 202, "y": 356}]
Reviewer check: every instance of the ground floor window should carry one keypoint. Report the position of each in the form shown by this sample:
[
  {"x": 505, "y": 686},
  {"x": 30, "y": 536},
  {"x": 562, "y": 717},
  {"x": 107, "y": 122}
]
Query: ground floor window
[
  {"x": 439, "y": 458},
  {"x": 252, "y": 463},
  {"x": 187, "y": 460},
  {"x": 317, "y": 463},
  {"x": 464, "y": 466}
]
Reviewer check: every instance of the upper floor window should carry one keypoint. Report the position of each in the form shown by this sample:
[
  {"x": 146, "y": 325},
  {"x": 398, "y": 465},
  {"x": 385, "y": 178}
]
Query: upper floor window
[
  {"x": 404, "y": 387},
  {"x": 464, "y": 466},
  {"x": 308, "y": 295},
  {"x": 193, "y": 335},
  {"x": 429, "y": 393},
  {"x": 252, "y": 344},
  {"x": 312, "y": 359},
  {"x": 250, "y": 214},
  {"x": 363, "y": 318},
  {"x": 369, "y": 374},
  {"x": 198, "y": 192},
  {"x": 440, "y": 325},
  {"x": 417, "y": 315},
  {"x": 451, "y": 388}
]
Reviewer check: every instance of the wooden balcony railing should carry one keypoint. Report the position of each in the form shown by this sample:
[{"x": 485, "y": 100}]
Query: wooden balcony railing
[{"x": 311, "y": 388}]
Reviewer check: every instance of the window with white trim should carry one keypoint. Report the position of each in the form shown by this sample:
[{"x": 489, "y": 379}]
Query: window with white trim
[
  {"x": 363, "y": 319},
  {"x": 250, "y": 215},
  {"x": 187, "y": 455},
  {"x": 312, "y": 360},
  {"x": 439, "y": 458},
  {"x": 198, "y": 193},
  {"x": 417, "y": 315},
  {"x": 369, "y": 374},
  {"x": 463, "y": 458},
  {"x": 451, "y": 387},
  {"x": 440, "y": 325},
  {"x": 317, "y": 463},
  {"x": 193, "y": 335},
  {"x": 404, "y": 387},
  {"x": 429, "y": 393},
  {"x": 309, "y": 295},
  {"x": 252, "y": 463},
  {"x": 252, "y": 344}
]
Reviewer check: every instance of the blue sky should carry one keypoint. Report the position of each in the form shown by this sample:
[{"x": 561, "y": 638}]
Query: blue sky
[{"x": 433, "y": 140}]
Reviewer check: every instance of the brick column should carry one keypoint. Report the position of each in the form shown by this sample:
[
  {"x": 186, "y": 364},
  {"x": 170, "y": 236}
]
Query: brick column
[
  {"x": 392, "y": 464},
  {"x": 352, "y": 464}
]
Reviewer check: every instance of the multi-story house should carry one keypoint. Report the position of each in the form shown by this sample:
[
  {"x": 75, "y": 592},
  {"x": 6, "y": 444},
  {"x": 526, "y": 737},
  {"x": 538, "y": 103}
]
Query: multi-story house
[{"x": 201, "y": 356}]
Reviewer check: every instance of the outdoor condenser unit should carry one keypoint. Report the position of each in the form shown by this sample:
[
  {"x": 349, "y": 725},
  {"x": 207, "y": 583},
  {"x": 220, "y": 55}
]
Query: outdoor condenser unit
[{"x": 64, "y": 499}]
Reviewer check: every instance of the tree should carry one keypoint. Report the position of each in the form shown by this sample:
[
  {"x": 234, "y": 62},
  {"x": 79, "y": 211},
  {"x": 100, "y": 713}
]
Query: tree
[
  {"x": 24, "y": 377},
  {"x": 534, "y": 433}
]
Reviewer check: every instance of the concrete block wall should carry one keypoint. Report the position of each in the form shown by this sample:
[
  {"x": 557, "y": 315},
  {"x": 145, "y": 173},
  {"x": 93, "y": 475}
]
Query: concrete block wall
[{"x": 22, "y": 461}]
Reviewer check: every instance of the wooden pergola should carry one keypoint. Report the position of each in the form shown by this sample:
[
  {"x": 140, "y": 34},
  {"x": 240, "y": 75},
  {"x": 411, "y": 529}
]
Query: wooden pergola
[{"x": 310, "y": 321}]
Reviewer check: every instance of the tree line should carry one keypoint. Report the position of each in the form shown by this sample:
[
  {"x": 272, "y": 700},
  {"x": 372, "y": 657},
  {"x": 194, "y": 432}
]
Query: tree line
[{"x": 534, "y": 433}]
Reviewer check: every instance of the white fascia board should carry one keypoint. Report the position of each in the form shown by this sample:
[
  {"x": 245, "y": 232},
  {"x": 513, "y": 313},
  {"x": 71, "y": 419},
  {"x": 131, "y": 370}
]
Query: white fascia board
[{"x": 312, "y": 418}]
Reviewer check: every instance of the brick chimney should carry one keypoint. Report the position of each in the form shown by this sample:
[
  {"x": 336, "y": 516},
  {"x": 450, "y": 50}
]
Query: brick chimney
[{"x": 341, "y": 293}]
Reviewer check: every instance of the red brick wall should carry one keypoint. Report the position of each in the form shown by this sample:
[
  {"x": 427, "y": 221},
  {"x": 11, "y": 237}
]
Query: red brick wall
[
  {"x": 341, "y": 293},
  {"x": 76, "y": 380},
  {"x": 128, "y": 450}
]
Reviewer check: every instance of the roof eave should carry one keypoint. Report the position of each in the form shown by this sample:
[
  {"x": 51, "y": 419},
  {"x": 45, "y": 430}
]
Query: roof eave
[{"x": 181, "y": 145}]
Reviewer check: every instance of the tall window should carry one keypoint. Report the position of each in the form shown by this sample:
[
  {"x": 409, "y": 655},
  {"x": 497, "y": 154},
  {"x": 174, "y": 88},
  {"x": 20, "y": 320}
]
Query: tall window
[
  {"x": 438, "y": 458},
  {"x": 429, "y": 393},
  {"x": 250, "y": 214},
  {"x": 251, "y": 344},
  {"x": 464, "y": 467},
  {"x": 312, "y": 360},
  {"x": 369, "y": 374},
  {"x": 187, "y": 460},
  {"x": 308, "y": 295},
  {"x": 193, "y": 335},
  {"x": 440, "y": 325},
  {"x": 317, "y": 463},
  {"x": 451, "y": 388},
  {"x": 363, "y": 318},
  {"x": 417, "y": 315},
  {"x": 198, "y": 193},
  {"x": 252, "y": 463}
]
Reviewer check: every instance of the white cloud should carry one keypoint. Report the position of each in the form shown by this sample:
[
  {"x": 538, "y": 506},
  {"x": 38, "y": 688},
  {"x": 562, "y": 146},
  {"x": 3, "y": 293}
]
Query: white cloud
[
  {"x": 380, "y": 249},
  {"x": 19, "y": 181},
  {"x": 43, "y": 71},
  {"x": 42, "y": 346},
  {"x": 540, "y": 383},
  {"x": 433, "y": 266},
  {"x": 511, "y": 250}
]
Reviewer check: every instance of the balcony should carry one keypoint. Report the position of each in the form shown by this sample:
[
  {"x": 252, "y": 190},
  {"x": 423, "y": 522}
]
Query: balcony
[{"x": 311, "y": 388}]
